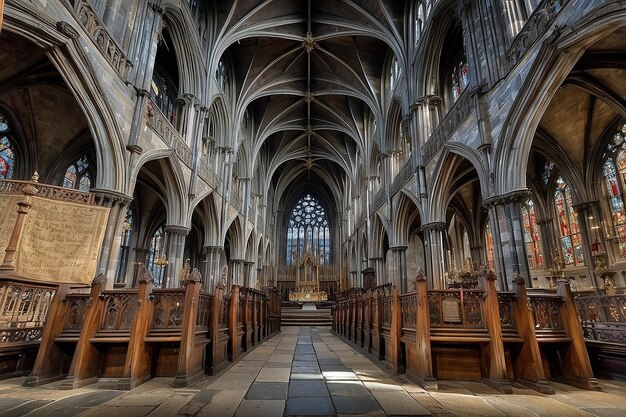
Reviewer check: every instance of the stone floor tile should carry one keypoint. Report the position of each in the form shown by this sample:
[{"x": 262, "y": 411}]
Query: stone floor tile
[
  {"x": 267, "y": 391},
  {"x": 307, "y": 388},
  {"x": 224, "y": 403},
  {"x": 273, "y": 375},
  {"x": 319, "y": 406},
  {"x": 339, "y": 376},
  {"x": 306, "y": 375},
  {"x": 399, "y": 403},
  {"x": 466, "y": 405},
  {"x": 429, "y": 403},
  {"x": 260, "y": 408},
  {"x": 355, "y": 405},
  {"x": 347, "y": 388}
]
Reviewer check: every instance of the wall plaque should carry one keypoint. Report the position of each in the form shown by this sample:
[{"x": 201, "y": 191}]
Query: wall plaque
[
  {"x": 451, "y": 310},
  {"x": 60, "y": 241}
]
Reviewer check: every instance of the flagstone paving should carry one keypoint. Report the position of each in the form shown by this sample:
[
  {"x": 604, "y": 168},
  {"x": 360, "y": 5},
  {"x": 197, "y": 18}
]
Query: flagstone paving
[{"x": 307, "y": 371}]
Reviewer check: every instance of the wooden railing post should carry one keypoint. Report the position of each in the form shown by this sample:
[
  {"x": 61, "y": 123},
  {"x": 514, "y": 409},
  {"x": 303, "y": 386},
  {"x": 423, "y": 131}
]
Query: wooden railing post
[
  {"x": 233, "y": 331},
  {"x": 394, "y": 356},
  {"x": 189, "y": 366},
  {"x": 576, "y": 366},
  {"x": 49, "y": 362},
  {"x": 218, "y": 344},
  {"x": 377, "y": 342},
  {"x": 422, "y": 335},
  {"x": 497, "y": 363},
  {"x": 527, "y": 365},
  {"x": 87, "y": 359},
  {"x": 137, "y": 368}
]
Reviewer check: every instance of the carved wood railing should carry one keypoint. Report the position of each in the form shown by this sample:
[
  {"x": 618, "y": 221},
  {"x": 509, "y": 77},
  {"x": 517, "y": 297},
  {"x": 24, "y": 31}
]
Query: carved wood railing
[
  {"x": 168, "y": 308},
  {"x": 118, "y": 310},
  {"x": 546, "y": 309},
  {"x": 48, "y": 191},
  {"x": 206, "y": 173},
  {"x": 408, "y": 303},
  {"x": 205, "y": 304},
  {"x": 78, "y": 305},
  {"x": 603, "y": 317},
  {"x": 467, "y": 305},
  {"x": 403, "y": 176},
  {"x": 23, "y": 311},
  {"x": 506, "y": 312},
  {"x": 97, "y": 30}
]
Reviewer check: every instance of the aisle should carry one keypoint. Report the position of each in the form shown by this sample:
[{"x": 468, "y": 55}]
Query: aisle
[{"x": 307, "y": 371}]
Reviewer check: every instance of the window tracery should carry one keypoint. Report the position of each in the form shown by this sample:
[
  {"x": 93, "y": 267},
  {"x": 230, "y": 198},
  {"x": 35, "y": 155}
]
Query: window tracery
[
  {"x": 155, "y": 252},
  {"x": 569, "y": 230},
  {"x": 163, "y": 92},
  {"x": 459, "y": 77},
  {"x": 127, "y": 229},
  {"x": 614, "y": 174},
  {"x": 78, "y": 175},
  {"x": 308, "y": 229}
]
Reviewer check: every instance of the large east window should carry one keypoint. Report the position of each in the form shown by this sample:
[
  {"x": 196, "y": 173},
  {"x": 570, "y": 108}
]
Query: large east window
[
  {"x": 614, "y": 172},
  {"x": 308, "y": 229}
]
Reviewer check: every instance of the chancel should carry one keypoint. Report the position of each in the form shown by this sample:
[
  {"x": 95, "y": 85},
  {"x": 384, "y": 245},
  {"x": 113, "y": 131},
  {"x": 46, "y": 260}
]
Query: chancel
[{"x": 298, "y": 207}]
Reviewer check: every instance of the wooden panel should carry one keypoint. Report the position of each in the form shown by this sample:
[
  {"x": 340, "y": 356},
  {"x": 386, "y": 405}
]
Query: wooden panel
[
  {"x": 461, "y": 363},
  {"x": 165, "y": 361},
  {"x": 113, "y": 359}
]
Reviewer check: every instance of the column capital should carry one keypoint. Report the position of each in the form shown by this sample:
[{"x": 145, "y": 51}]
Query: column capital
[
  {"x": 439, "y": 226},
  {"x": 176, "y": 229},
  {"x": 109, "y": 198},
  {"x": 398, "y": 248},
  {"x": 506, "y": 198}
]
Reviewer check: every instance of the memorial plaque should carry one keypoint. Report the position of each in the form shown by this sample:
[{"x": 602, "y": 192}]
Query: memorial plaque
[
  {"x": 61, "y": 241},
  {"x": 451, "y": 310}
]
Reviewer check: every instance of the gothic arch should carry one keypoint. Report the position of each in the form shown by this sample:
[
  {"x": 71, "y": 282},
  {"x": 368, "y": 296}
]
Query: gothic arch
[{"x": 558, "y": 55}]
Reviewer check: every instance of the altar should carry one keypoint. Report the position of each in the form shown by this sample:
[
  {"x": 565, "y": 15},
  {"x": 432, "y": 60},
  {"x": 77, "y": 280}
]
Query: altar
[{"x": 307, "y": 280}]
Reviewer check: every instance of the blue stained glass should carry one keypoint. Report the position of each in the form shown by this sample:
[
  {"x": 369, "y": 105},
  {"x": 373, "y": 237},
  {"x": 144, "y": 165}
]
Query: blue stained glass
[{"x": 7, "y": 157}]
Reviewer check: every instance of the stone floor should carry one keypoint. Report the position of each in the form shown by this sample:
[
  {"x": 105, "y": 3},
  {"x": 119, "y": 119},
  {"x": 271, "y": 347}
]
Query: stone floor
[{"x": 307, "y": 371}]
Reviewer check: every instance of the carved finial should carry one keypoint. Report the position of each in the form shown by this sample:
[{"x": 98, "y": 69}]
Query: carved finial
[
  {"x": 98, "y": 279},
  {"x": 145, "y": 275},
  {"x": 518, "y": 279},
  {"x": 184, "y": 272},
  {"x": 35, "y": 177},
  {"x": 194, "y": 276},
  {"x": 489, "y": 274},
  {"x": 420, "y": 277}
]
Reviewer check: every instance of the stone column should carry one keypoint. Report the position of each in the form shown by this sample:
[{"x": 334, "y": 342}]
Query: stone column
[
  {"x": 248, "y": 275},
  {"x": 236, "y": 272},
  {"x": 174, "y": 248},
  {"x": 398, "y": 265},
  {"x": 548, "y": 239},
  {"x": 379, "y": 266},
  {"x": 109, "y": 252},
  {"x": 211, "y": 272},
  {"x": 509, "y": 247},
  {"x": 435, "y": 250}
]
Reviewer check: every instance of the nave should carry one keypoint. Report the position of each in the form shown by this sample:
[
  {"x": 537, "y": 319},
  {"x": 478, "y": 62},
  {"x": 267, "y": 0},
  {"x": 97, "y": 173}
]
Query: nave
[{"x": 307, "y": 371}]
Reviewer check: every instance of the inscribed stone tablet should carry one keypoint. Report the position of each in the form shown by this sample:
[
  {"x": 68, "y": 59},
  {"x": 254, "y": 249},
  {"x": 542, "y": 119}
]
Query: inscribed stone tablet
[{"x": 451, "y": 310}]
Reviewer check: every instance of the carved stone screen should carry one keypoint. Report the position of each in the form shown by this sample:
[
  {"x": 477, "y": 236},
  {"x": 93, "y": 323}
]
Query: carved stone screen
[{"x": 60, "y": 241}]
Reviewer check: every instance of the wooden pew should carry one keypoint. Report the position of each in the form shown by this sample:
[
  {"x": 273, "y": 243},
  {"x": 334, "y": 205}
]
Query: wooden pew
[
  {"x": 24, "y": 309},
  {"x": 219, "y": 331}
]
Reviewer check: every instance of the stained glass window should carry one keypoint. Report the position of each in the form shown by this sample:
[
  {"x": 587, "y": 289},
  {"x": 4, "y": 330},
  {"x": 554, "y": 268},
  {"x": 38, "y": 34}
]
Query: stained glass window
[
  {"x": 491, "y": 259},
  {"x": 459, "y": 77},
  {"x": 614, "y": 172},
  {"x": 78, "y": 175},
  {"x": 156, "y": 251},
  {"x": 419, "y": 21},
  {"x": 571, "y": 242},
  {"x": 127, "y": 229},
  {"x": 7, "y": 157},
  {"x": 532, "y": 239},
  {"x": 308, "y": 229},
  {"x": 163, "y": 93}
]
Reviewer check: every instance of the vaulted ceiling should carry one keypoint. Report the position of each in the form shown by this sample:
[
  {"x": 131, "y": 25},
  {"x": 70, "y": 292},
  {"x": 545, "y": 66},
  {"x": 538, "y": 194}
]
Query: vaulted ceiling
[{"x": 309, "y": 74}]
